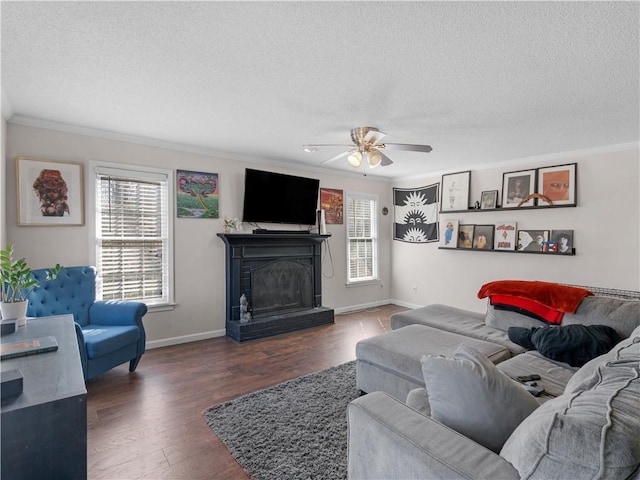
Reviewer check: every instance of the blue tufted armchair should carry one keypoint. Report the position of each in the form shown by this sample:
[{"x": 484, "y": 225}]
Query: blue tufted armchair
[{"x": 109, "y": 333}]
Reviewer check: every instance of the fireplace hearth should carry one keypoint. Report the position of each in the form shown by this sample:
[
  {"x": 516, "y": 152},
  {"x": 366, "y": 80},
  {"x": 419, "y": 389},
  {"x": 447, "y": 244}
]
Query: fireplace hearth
[{"x": 280, "y": 275}]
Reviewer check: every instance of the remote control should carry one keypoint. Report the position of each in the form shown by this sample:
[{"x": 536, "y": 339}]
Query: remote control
[{"x": 528, "y": 378}]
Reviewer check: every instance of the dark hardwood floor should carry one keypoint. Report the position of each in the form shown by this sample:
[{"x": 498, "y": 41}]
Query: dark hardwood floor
[{"x": 149, "y": 424}]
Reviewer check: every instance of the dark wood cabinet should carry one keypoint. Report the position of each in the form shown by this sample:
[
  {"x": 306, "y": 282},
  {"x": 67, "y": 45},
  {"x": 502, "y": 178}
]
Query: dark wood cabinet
[{"x": 44, "y": 429}]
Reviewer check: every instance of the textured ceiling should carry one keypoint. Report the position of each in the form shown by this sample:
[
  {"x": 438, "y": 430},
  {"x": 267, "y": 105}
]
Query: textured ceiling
[{"x": 481, "y": 82}]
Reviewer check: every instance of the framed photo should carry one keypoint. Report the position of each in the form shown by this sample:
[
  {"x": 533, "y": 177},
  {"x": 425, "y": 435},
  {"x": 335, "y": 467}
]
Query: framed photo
[
  {"x": 505, "y": 236},
  {"x": 332, "y": 202},
  {"x": 532, "y": 240},
  {"x": 489, "y": 200},
  {"x": 516, "y": 186},
  {"x": 50, "y": 193},
  {"x": 561, "y": 242},
  {"x": 455, "y": 191},
  {"x": 558, "y": 184},
  {"x": 449, "y": 237},
  {"x": 196, "y": 194},
  {"x": 465, "y": 236},
  {"x": 483, "y": 237}
]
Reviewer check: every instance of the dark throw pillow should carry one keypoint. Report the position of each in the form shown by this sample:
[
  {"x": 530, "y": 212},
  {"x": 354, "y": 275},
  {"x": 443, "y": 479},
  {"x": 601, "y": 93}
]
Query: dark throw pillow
[{"x": 572, "y": 344}]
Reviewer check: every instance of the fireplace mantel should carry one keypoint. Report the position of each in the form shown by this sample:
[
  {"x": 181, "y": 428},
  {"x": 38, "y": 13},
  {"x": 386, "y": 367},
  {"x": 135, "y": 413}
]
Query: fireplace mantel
[{"x": 244, "y": 253}]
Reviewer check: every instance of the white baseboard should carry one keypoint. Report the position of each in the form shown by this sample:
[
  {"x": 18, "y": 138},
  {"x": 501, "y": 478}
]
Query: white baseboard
[
  {"x": 400, "y": 303},
  {"x": 165, "y": 342}
]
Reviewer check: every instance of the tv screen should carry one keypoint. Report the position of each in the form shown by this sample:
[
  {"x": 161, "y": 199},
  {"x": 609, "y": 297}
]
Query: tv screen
[{"x": 279, "y": 198}]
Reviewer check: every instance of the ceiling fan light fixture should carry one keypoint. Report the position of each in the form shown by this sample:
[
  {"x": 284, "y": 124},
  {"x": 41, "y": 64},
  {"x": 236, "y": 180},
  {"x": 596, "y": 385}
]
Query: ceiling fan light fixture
[
  {"x": 355, "y": 159},
  {"x": 374, "y": 158}
]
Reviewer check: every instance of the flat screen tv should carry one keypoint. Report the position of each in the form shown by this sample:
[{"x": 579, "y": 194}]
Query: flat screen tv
[{"x": 278, "y": 198}]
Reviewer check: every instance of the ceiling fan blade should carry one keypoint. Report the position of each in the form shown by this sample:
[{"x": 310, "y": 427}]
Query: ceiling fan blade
[
  {"x": 337, "y": 157},
  {"x": 327, "y": 145},
  {"x": 374, "y": 136},
  {"x": 408, "y": 146},
  {"x": 385, "y": 160}
]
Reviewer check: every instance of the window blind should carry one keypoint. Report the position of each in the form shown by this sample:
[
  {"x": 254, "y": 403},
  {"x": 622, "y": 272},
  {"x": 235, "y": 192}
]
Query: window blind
[
  {"x": 132, "y": 236},
  {"x": 361, "y": 238}
]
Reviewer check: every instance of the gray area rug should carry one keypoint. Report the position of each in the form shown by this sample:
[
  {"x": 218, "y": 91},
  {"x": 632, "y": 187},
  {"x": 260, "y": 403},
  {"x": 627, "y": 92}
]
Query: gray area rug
[{"x": 293, "y": 430}]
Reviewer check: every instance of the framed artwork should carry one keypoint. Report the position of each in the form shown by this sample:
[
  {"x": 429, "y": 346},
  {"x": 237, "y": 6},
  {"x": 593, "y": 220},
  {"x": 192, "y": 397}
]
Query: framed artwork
[
  {"x": 50, "y": 193},
  {"x": 483, "y": 237},
  {"x": 558, "y": 184},
  {"x": 196, "y": 194},
  {"x": 561, "y": 242},
  {"x": 415, "y": 212},
  {"x": 532, "y": 240},
  {"x": 332, "y": 202},
  {"x": 489, "y": 200},
  {"x": 455, "y": 191},
  {"x": 505, "y": 236},
  {"x": 465, "y": 236},
  {"x": 449, "y": 237},
  {"x": 516, "y": 186}
]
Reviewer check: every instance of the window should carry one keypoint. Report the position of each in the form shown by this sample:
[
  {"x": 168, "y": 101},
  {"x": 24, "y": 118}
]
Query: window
[
  {"x": 362, "y": 238},
  {"x": 134, "y": 227}
]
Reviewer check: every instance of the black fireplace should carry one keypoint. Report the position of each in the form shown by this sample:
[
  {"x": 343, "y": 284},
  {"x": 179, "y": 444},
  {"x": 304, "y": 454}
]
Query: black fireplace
[{"x": 281, "y": 277}]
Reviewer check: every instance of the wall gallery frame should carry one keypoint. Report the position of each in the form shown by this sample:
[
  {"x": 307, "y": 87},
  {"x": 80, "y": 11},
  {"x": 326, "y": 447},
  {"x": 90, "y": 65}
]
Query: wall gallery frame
[
  {"x": 562, "y": 241},
  {"x": 465, "y": 236},
  {"x": 455, "y": 191},
  {"x": 332, "y": 202},
  {"x": 558, "y": 184},
  {"x": 196, "y": 194},
  {"x": 449, "y": 237},
  {"x": 483, "y": 237},
  {"x": 516, "y": 186},
  {"x": 49, "y": 193},
  {"x": 489, "y": 200}
]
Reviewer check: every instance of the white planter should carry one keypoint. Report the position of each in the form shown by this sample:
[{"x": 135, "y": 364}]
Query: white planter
[{"x": 15, "y": 310}]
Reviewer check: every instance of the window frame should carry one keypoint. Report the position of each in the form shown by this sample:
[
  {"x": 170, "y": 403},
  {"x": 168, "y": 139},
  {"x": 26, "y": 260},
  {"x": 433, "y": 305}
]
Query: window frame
[
  {"x": 375, "y": 279},
  {"x": 142, "y": 173}
]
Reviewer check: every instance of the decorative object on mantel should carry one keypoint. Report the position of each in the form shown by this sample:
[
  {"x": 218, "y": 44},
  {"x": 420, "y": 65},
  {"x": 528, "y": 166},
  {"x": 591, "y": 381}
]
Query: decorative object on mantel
[
  {"x": 16, "y": 284},
  {"x": 58, "y": 188},
  {"x": 416, "y": 214},
  {"x": 231, "y": 224},
  {"x": 196, "y": 194},
  {"x": 332, "y": 202},
  {"x": 245, "y": 315}
]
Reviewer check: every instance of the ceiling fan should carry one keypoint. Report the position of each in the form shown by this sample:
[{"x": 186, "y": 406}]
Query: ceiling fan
[{"x": 367, "y": 146}]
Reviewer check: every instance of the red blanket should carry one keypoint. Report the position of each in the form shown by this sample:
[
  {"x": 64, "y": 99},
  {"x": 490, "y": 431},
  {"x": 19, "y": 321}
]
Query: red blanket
[{"x": 560, "y": 297}]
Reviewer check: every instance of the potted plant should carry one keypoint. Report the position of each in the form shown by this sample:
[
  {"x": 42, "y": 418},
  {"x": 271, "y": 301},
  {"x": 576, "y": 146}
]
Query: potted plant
[{"x": 16, "y": 283}]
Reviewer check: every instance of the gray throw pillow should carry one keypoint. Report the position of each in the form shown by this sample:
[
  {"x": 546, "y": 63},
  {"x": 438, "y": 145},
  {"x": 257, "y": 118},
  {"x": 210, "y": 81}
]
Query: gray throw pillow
[
  {"x": 590, "y": 433},
  {"x": 470, "y": 395}
]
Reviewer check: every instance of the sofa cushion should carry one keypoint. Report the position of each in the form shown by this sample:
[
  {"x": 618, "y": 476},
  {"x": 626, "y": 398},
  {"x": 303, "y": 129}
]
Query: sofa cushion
[
  {"x": 454, "y": 320},
  {"x": 553, "y": 376},
  {"x": 469, "y": 394},
  {"x": 572, "y": 344},
  {"x": 622, "y": 315},
  {"x": 586, "y": 434},
  {"x": 104, "y": 339},
  {"x": 628, "y": 348}
]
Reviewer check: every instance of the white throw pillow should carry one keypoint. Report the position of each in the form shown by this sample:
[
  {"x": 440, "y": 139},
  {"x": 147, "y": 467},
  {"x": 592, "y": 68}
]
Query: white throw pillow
[{"x": 470, "y": 395}]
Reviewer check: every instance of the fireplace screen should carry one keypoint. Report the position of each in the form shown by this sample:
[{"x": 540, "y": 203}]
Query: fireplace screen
[{"x": 281, "y": 286}]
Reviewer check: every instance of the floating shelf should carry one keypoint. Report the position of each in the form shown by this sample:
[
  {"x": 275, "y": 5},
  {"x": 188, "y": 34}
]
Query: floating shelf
[
  {"x": 500, "y": 209},
  {"x": 573, "y": 251}
]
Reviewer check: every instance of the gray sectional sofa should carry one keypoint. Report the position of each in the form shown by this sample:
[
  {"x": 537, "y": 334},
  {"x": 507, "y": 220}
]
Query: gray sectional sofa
[{"x": 441, "y": 403}]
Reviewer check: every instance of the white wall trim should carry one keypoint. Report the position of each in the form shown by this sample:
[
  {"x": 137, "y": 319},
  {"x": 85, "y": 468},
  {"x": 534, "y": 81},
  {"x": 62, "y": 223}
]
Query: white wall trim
[
  {"x": 561, "y": 156},
  {"x": 166, "y": 342},
  {"x": 179, "y": 147},
  {"x": 400, "y": 303},
  {"x": 362, "y": 306}
]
